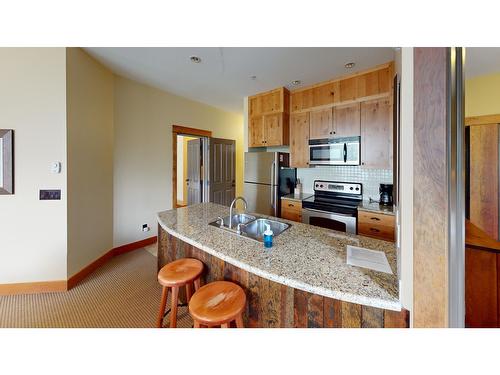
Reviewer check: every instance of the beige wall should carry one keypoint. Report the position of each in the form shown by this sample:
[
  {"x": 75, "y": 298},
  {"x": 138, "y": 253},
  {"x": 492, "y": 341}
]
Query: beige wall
[
  {"x": 33, "y": 103},
  {"x": 90, "y": 159},
  {"x": 143, "y": 151},
  {"x": 482, "y": 95}
]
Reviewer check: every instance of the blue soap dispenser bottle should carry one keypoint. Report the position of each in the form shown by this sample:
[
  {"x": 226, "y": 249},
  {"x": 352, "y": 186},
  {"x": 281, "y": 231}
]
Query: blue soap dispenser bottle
[{"x": 268, "y": 236}]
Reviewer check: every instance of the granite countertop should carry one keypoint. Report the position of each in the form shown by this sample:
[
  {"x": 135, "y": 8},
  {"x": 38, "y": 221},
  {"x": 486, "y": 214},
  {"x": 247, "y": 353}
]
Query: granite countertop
[
  {"x": 304, "y": 257},
  {"x": 376, "y": 207},
  {"x": 297, "y": 197}
]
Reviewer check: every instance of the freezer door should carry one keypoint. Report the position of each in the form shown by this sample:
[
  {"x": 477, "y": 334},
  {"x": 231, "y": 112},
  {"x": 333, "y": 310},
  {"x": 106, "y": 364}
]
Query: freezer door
[
  {"x": 260, "y": 167},
  {"x": 262, "y": 199}
]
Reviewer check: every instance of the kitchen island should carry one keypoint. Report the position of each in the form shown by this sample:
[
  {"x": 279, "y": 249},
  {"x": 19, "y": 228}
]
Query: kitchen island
[{"x": 302, "y": 281}]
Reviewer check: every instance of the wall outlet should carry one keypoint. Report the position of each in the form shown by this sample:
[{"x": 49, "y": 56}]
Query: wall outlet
[{"x": 145, "y": 228}]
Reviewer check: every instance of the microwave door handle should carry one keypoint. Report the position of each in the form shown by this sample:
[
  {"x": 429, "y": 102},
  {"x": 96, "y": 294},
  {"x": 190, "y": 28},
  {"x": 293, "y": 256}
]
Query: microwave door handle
[{"x": 345, "y": 152}]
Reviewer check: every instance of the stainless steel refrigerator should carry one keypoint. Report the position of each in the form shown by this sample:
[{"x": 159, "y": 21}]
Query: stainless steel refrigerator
[{"x": 267, "y": 178}]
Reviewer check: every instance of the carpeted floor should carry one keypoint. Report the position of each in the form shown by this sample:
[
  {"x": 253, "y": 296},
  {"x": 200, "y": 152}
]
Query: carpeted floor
[{"x": 122, "y": 293}]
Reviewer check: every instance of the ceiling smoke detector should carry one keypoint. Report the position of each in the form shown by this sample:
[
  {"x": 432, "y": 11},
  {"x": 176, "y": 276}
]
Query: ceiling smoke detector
[
  {"x": 296, "y": 82},
  {"x": 195, "y": 59},
  {"x": 349, "y": 65}
]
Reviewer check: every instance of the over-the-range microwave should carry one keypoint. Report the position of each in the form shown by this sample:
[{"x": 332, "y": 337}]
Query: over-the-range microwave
[{"x": 335, "y": 151}]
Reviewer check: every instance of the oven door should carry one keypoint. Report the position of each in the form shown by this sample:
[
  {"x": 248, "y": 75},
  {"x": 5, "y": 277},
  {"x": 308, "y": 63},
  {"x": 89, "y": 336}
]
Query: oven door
[{"x": 330, "y": 220}]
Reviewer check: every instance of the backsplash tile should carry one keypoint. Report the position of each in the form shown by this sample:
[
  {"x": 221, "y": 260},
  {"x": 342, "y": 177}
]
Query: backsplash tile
[{"x": 370, "y": 178}]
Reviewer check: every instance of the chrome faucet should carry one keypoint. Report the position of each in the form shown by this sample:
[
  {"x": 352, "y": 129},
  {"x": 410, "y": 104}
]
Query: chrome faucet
[{"x": 231, "y": 210}]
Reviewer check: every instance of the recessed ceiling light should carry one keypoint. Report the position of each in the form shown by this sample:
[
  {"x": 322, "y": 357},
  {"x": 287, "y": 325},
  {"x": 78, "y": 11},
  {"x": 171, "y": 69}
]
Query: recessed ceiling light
[
  {"x": 195, "y": 59},
  {"x": 296, "y": 82},
  {"x": 253, "y": 78},
  {"x": 349, "y": 65}
]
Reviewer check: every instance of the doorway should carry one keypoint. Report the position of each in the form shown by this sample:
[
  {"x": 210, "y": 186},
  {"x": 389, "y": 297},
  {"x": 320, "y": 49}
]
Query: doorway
[{"x": 204, "y": 168}]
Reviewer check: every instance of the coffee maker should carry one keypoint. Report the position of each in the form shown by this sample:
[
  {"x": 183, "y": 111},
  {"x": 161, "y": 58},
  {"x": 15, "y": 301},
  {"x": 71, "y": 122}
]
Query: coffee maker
[{"x": 385, "y": 191}]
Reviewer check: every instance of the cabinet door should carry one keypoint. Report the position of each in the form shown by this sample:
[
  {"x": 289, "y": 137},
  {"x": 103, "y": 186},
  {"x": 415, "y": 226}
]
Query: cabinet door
[
  {"x": 368, "y": 84},
  {"x": 376, "y": 134},
  {"x": 271, "y": 102},
  {"x": 299, "y": 140},
  {"x": 255, "y": 106},
  {"x": 301, "y": 100},
  {"x": 348, "y": 89},
  {"x": 256, "y": 132},
  {"x": 324, "y": 94},
  {"x": 273, "y": 130},
  {"x": 321, "y": 125},
  {"x": 347, "y": 120}
]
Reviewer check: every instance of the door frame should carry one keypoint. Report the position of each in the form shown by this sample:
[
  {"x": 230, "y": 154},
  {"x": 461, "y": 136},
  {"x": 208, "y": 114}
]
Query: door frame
[{"x": 182, "y": 130}]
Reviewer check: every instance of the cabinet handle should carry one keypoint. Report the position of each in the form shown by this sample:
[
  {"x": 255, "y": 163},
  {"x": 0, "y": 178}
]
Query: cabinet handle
[
  {"x": 375, "y": 218},
  {"x": 290, "y": 204},
  {"x": 374, "y": 230}
]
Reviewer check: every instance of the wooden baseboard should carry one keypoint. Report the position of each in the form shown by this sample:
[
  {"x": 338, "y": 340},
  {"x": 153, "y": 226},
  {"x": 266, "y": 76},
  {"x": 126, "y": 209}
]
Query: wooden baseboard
[
  {"x": 134, "y": 246},
  {"x": 83, "y": 273},
  {"x": 33, "y": 288}
]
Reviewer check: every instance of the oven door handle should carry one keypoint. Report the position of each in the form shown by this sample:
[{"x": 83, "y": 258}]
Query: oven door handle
[{"x": 327, "y": 212}]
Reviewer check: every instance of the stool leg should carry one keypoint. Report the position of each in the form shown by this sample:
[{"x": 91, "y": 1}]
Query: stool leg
[
  {"x": 196, "y": 324},
  {"x": 239, "y": 321},
  {"x": 163, "y": 304},
  {"x": 173, "y": 312},
  {"x": 225, "y": 325},
  {"x": 189, "y": 292},
  {"x": 197, "y": 284}
]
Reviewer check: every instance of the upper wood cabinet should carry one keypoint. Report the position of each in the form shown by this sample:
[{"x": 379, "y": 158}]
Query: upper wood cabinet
[
  {"x": 268, "y": 121},
  {"x": 347, "y": 120},
  {"x": 376, "y": 134},
  {"x": 367, "y": 85},
  {"x": 299, "y": 140},
  {"x": 321, "y": 123}
]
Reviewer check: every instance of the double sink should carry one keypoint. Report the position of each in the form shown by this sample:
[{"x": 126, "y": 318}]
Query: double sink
[{"x": 250, "y": 226}]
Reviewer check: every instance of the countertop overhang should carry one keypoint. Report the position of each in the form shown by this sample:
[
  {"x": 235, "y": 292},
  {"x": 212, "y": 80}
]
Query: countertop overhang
[{"x": 304, "y": 257}]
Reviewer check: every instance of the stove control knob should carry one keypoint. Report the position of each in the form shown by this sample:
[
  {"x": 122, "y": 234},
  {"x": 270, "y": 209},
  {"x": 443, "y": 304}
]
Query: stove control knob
[
  {"x": 320, "y": 186},
  {"x": 351, "y": 188},
  {"x": 357, "y": 188}
]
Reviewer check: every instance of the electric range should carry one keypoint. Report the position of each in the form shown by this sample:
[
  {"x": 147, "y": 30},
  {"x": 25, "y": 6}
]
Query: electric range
[{"x": 334, "y": 205}]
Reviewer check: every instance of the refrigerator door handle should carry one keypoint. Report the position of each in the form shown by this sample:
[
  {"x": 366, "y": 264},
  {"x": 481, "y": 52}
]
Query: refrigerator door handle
[{"x": 273, "y": 171}]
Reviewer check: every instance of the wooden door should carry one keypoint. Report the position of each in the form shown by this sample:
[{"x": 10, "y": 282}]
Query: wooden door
[
  {"x": 347, "y": 120},
  {"x": 193, "y": 180},
  {"x": 376, "y": 134},
  {"x": 483, "y": 177},
  {"x": 255, "y": 106},
  {"x": 321, "y": 124},
  {"x": 299, "y": 140},
  {"x": 273, "y": 130},
  {"x": 271, "y": 102},
  {"x": 222, "y": 171},
  {"x": 256, "y": 134},
  {"x": 301, "y": 100}
]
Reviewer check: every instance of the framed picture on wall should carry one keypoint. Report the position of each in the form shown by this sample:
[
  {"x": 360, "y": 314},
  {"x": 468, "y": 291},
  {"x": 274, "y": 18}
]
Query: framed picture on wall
[{"x": 6, "y": 161}]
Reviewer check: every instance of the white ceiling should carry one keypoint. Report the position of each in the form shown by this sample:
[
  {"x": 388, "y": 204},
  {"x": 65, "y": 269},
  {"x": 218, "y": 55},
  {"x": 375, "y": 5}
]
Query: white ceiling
[
  {"x": 222, "y": 79},
  {"x": 481, "y": 60}
]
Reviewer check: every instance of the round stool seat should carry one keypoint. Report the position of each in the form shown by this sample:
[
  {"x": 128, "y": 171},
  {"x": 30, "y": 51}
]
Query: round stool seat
[
  {"x": 180, "y": 272},
  {"x": 217, "y": 303}
]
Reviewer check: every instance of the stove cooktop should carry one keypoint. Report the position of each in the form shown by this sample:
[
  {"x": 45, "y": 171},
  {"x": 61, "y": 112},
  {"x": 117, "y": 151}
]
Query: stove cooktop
[{"x": 333, "y": 196}]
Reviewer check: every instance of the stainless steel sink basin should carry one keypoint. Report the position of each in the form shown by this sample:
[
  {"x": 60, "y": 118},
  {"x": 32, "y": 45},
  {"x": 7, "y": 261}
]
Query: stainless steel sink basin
[
  {"x": 255, "y": 229},
  {"x": 251, "y": 226}
]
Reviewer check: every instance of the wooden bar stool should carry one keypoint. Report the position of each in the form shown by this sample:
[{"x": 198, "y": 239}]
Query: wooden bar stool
[
  {"x": 218, "y": 303},
  {"x": 176, "y": 274}
]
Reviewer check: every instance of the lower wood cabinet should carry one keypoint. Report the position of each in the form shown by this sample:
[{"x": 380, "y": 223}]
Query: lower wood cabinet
[
  {"x": 291, "y": 209},
  {"x": 376, "y": 225}
]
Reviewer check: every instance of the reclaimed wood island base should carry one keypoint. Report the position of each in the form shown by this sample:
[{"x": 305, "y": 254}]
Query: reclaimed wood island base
[{"x": 271, "y": 304}]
